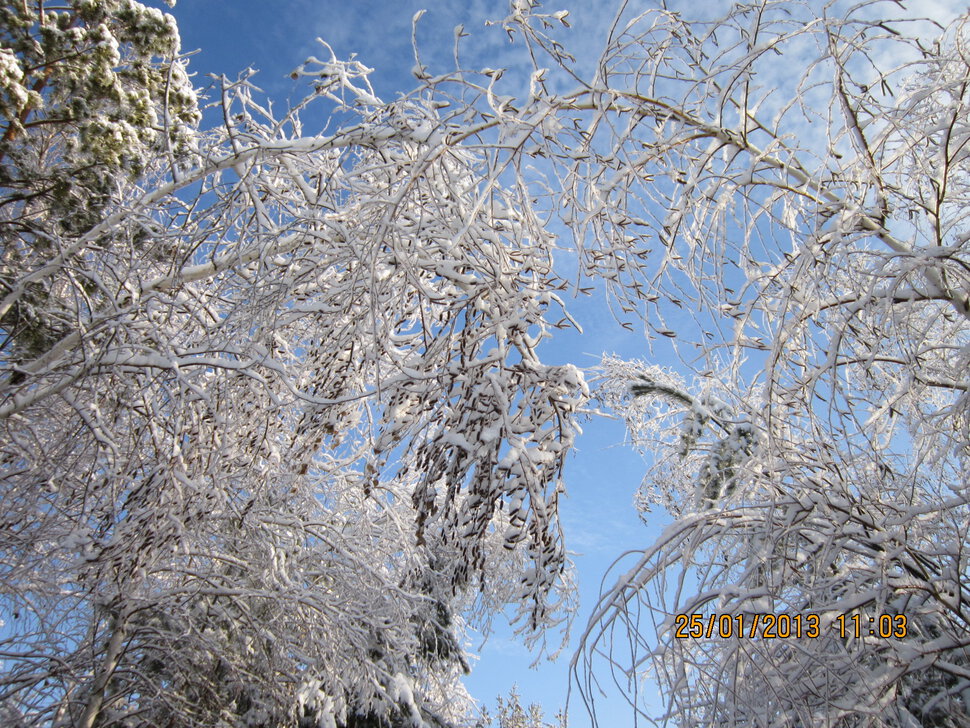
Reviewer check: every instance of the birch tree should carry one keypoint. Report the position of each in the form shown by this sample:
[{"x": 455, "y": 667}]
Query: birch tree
[
  {"x": 273, "y": 417},
  {"x": 781, "y": 193},
  {"x": 288, "y": 421}
]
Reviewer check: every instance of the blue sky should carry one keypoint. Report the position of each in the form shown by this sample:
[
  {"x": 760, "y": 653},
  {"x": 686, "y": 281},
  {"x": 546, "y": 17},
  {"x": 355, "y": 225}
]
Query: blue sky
[{"x": 275, "y": 37}]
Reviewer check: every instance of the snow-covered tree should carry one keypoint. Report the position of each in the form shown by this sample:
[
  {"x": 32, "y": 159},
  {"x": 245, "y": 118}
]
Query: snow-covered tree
[
  {"x": 91, "y": 92},
  {"x": 273, "y": 418},
  {"x": 509, "y": 713},
  {"x": 782, "y": 193}
]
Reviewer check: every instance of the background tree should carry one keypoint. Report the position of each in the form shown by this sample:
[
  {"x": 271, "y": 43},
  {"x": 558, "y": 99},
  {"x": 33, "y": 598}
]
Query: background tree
[
  {"x": 511, "y": 714},
  {"x": 91, "y": 93}
]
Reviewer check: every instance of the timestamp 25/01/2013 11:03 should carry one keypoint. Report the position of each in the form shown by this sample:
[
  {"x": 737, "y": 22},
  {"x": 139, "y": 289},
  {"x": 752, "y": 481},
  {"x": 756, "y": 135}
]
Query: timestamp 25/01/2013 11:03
[{"x": 785, "y": 626}]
